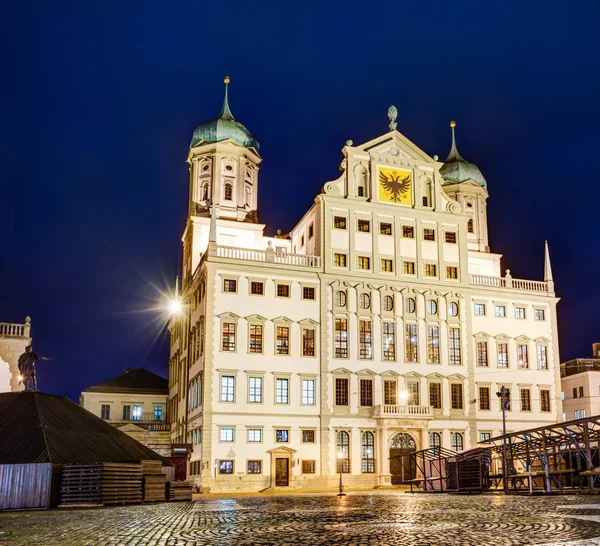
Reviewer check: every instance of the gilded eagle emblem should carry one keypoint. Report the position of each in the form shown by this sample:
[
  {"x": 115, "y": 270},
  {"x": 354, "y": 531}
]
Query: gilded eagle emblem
[{"x": 394, "y": 187}]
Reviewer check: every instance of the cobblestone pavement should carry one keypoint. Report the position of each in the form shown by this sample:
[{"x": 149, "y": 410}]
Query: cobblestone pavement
[{"x": 358, "y": 519}]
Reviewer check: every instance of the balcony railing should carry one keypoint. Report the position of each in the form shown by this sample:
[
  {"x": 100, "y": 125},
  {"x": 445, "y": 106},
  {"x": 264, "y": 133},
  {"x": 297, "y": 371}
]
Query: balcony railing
[
  {"x": 394, "y": 410},
  {"x": 268, "y": 256},
  {"x": 147, "y": 422},
  {"x": 15, "y": 330},
  {"x": 508, "y": 282}
]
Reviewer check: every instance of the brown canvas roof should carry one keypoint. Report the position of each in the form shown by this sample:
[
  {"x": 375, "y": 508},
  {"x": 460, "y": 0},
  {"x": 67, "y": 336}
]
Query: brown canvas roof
[
  {"x": 45, "y": 428},
  {"x": 138, "y": 381}
]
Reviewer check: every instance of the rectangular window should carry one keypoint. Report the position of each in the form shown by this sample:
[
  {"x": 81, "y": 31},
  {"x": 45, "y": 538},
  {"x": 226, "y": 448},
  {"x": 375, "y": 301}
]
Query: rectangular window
[
  {"x": 256, "y": 387},
  {"x": 283, "y": 340},
  {"x": 230, "y": 285},
  {"x": 484, "y": 436},
  {"x": 281, "y": 391},
  {"x": 365, "y": 341},
  {"x": 525, "y": 395},
  {"x": 308, "y": 436},
  {"x": 409, "y": 268},
  {"x": 339, "y": 222},
  {"x": 385, "y": 228},
  {"x": 386, "y": 265},
  {"x": 282, "y": 435},
  {"x": 482, "y": 353},
  {"x": 435, "y": 395},
  {"x": 256, "y": 338},
  {"x": 341, "y": 338},
  {"x": 430, "y": 270},
  {"x": 542, "y": 357},
  {"x": 433, "y": 344},
  {"x": 451, "y": 237},
  {"x": 364, "y": 262},
  {"x": 522, "y": 357},
  {"x": 576, "y": 414},
  {"x": 228, "y": 343},
  {"x": 480, "y": 308},
  {"x": 341, "y": 391},
  {"x": 455, "y": 350},
  {"x": 366, "y": 392},
  {"x": 126, "y": 413},
  {"x": 429, "y": 234},
  {"x": 257, "y": 288},
  {"x": 500, "y": 311},
  {"x": 414, "y": 393},
  {"x": 408, "y": 232},
  {"x": 390, "y": 392},
  {"x": 412, "y": 354},
  {"x": 364, "y": 226},
  {"x": 308, "y": 342},
  {"x": 361, "y": 191},
  {"x": 545, "y": 399},
  {"x": 574, "y": 392},
  {"x": 484, "y": 398},
  {"x": 226, "y": 434},
  {"x": 158, "y": 413},
  {"x": 456, "y": 392},
  {"x": 105, "y": 412},
  {"x": 368, "y": 453},
  {"x": 254, "y": 435},
  {"x": 283, "y": 290},
  {"x": 254, "y": 467},
  {"x": 520, "y": 312},
  {"x": 302, "y": 241},
  {"x": 540, "y": 314},
  {"x": 308, "y": 293},
  {"x": 389, "y": 341},
  {"x": 580, "y": 392},
  {"x": 339, "y": 260},
  {"x": 308, "y": 392},
  {"x": 225, "y": 467},
  {"x": 309, "y": 467},
  {"x": 451, "y": 272},
  {"x": 227, "y": 388},
  {"x": 502, "y": 355},
  {"x": 311, "y": 231}
]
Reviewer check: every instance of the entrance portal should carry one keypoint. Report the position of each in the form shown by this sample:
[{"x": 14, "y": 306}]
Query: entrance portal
[
  {"x": 402, "y": 468},
  {"x": 282, "y": 472}
]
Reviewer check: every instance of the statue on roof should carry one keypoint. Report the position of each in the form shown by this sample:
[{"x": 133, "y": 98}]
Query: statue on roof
[{"x": 27, "y": 368}]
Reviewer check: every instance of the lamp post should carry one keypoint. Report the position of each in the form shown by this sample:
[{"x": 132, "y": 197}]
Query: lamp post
[
  {"x": 340, "y": 457},
  {"x": 505, "y": 404}
]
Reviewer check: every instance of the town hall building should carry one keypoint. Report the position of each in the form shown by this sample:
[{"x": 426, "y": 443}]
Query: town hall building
[{"x": 382, "y": 324}]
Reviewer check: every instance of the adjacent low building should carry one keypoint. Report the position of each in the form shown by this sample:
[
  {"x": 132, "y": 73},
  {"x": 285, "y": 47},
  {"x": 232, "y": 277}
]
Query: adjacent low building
[
  {"x": 135, "y": 403},
  {"x": 580, "y": 380}
]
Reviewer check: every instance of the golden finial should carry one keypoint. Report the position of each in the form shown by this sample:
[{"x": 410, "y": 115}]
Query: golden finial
[
  {"x": 227, "y": 79},
  {"x": 453, "y": 124}
]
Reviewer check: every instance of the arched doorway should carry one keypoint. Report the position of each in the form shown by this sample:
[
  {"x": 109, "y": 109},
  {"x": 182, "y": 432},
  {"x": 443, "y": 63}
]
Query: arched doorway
[{"x": 402, "y": 468}]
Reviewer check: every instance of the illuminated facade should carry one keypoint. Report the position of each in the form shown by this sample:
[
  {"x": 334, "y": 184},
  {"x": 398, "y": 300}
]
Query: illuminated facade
[
  {"x": 382, "y": 324},
  {"x": 13, "y": 340}
]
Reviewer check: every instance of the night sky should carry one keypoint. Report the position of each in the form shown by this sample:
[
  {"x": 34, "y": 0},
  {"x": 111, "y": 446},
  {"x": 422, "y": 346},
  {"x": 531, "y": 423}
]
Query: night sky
[{"x": 98, "y": 103}]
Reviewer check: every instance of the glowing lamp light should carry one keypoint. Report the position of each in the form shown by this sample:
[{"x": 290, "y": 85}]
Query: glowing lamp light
[
  {"x": 340, "y": 455},
  {"x": 175, "y": 307},
  {"x": 403, "y": 396},
  {"x": 20, "y": 378}
]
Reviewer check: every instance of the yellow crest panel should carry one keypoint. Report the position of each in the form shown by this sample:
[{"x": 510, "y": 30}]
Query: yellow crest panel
[{"x": 395, "y": 185}]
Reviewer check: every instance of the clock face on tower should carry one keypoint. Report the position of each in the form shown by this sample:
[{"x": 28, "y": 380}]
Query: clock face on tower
[{"x": 395, "y": 185}]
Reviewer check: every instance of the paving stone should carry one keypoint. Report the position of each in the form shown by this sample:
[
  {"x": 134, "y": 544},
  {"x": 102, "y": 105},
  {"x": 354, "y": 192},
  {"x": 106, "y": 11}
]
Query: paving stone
[{"x": 358, "y": 519}]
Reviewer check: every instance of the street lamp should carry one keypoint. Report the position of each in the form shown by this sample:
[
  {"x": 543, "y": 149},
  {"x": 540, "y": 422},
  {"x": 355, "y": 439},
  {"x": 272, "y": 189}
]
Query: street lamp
[
  {"x": 340, "y": 457},
  {"x": 403, "y": 396},
  {"x": 503, "y": 394}
]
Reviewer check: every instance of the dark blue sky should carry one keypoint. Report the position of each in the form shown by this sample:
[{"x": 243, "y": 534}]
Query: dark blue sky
[{"x": 98, "y": 102}]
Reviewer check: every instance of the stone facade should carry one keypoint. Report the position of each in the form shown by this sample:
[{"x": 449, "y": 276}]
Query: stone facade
[
  {"x": 381, "y": 324},
  {"x": 13, "y": 340},
  {"x": 580, "y": 380}
]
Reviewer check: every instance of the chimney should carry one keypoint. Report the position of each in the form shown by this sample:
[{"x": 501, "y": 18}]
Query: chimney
[{"x": 127, "y": 370}]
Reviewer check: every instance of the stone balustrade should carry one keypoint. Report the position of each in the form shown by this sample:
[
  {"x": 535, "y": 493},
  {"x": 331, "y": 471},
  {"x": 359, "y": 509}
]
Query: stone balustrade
[
  {"x": 268, "y": 256},
  {"x": 15, "y": 330},
  {"x": 395, "y": 410},
  {"x": 508, "y": 282}
]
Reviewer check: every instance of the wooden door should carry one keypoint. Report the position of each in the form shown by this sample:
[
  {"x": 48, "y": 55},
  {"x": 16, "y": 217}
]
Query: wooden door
[
  {"x": 282, "y": 472},
  {"x": 402, "y": 467}
]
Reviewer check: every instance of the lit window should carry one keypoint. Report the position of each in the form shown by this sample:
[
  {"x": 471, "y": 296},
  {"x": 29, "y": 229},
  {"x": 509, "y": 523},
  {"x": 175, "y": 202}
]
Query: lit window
[
  {"x": 502, "y": 355},
  {"x": 282, "y": 391},
  {"x": 482, "y": 353},
  {"x": 388, "y": 303},
  {"x": 309, "y": 467},
  {"x": 520, "y": 312},
  {"x": 525, "y": 395},
  {"x": 228, "y": 342},
  {"x": 432, "y": 307},
  {"x": 365, "y": 345},
  {"x": 341, "y": 391},
  {"x": 409, "y": 268},
  {"x": 430, "y": 270},
  {"x": 386, "y": 265},
  {"x": 414, "y": 393},
  {"x": 254, "y": 467},
  {"x": 255, "y": 394},
  {"x": 385, "y": 228},
  {"x": 500, "y": 310},
  {"x": 257, "y": 288},
  {"x": 343, "y": 452},
  {"x": 105, "y": 412},
  {"x": 451, "y": 272},
  {"x": 339, "y": 222},
  {"x": 308, "y": 342},
  {"x": 366, "y": 392},
  {"x": 227, "y": 388},
  {"x": 225, "y": 467},
  {"x": 455, "y": 350},
  {"x": 256, "y": 338},
  {"x": 364, "y": 226},
  {"x": 137, "y": 413},
  {"x": 522, "y": 357},
  {"x": 484, "y": 436},
  {"x": 389, "y": 341},
  {"x": 283, "y": 340},
  {"x": 576, "y": 414},
  {"x": 158, "y": 412},
  {"x": 435, "y": 395},
  {"x": 435, "y": 439},
  {"x": 308, "y": 436},
  {"x": 365, "y": 301},
  {"x": 364, "y": 262},
  {"x": 433, "y": 344},
  {"x": 226, "y": 434},
  {"x": 429, "y": 234},
  {"x": 390, "y": 389},
  {"x": 545, "y": 400},
  {"x": 480, "y": 309},
  {"x": 410, "y": 305},
  {"x": 308, "y": 392},
  {"x": 368, "y": 453},
  {"x": 456, "y": 395},
  {"x": 457, "y": 441},
  {"x": 282, "y": 435},
  {"x": 341, "y": 338},
  {"x": 254, "y": 435},
  {"x": 339, "y": 260},
  {"x": 453, "y": 309},
  {"x": 542, "y": 357},
  {"x": 540, "y": 314},
  {"x": 451, "y": 237},
  {"x": 412, "y": 354},
  {"x": 340, "y": 298},
  {"x": 408, "y": 232}
]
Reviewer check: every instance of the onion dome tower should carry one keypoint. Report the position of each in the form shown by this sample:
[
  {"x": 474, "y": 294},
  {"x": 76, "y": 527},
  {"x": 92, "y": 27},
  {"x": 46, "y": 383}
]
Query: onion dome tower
[{"x": 464, "y": 182}]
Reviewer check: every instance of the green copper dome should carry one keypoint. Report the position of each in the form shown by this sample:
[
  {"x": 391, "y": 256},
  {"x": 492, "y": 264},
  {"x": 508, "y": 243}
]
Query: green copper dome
[
  {"x": 224, "y": 127},
  {"x": 456, "y": 169}
]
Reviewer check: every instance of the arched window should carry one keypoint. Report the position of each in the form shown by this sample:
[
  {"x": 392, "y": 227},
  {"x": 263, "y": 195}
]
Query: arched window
[
  {"x": 343, "y": 448},
  {"x": 401, "y": 440},
  {"x": 470, "y": 226},
  {"x": 248, "y": 196},
  {"x": 368, "y": 453},
  {"x": 205, "y": 192},
  {"x": 388, "y": 303},
  {"x": 457, "y": 441},
  {"x": 434, "y": 439},
  {"x": 365, "y": 301},
  {"x": 340, "y": 298},
  {"x": 410, "y": 305},
  {"x": 228, "y": 192}
]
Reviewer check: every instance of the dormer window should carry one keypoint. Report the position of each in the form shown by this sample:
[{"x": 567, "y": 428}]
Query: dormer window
[{"x": 228, "y": 192}]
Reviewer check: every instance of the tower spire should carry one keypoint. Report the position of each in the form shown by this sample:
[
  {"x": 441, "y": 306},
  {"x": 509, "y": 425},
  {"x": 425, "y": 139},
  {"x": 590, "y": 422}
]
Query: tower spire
[
  {"x": 454, "y": 155},
  {"x": 225, "y": 111},
  {"x": 548, "y": 277}
]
